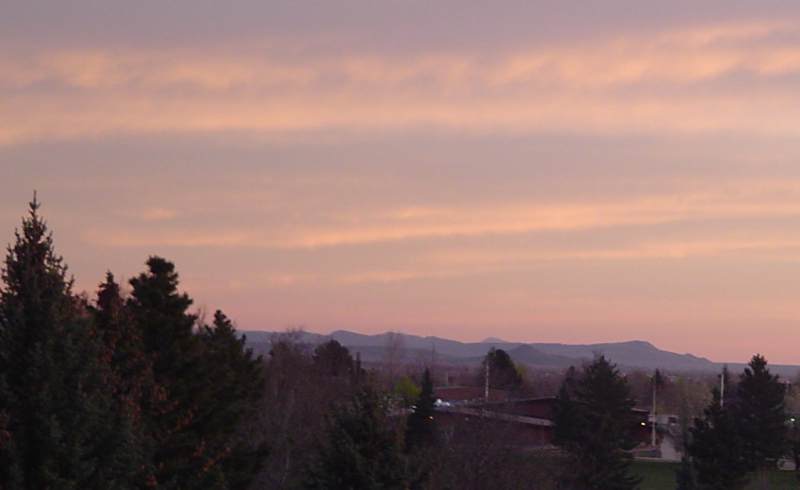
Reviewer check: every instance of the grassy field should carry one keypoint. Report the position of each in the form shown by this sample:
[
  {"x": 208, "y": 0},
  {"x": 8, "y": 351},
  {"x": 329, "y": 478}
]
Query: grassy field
[{"x": 661, "y": 476}]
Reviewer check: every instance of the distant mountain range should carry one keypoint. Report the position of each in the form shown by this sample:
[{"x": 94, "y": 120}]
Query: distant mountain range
[{"x": 635, "y": 354}]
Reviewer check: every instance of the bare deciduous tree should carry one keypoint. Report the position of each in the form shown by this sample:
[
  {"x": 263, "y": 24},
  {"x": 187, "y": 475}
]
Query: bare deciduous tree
[{"x": 394, "y": 354}]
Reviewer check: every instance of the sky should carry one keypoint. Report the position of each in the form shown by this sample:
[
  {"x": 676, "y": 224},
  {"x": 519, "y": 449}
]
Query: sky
[{"x": 542, "y": 171}]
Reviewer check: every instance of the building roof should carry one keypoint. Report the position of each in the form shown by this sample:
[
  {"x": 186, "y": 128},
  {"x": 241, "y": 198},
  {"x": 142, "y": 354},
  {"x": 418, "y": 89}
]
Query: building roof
[{"x": 468, "y": 394}]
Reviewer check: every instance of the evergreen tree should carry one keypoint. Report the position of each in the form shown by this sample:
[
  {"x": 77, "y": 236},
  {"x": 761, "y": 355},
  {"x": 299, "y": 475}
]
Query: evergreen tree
[
  {"x": 761, "y": 416},
  {"x": 566, "y": 413},
  {"x": 236, "y": 380},
  {"x": 119, "y": 394},
  {"x": 209, "y": 384},
  {"x": 360, "y": 450},
  {"x": 160, "y": 313},
  {"x": 685, "y": 477},
  {"x": 333, "y": 359},
  {"x": 728, "y": 386},
  {"x": 595, "y": 424},
  {"x": 58, "y": 426},
  {"x": 717, "y": 449},
  {"x": 503, "y": 373},
  {"x": 123, "y": 347},
  {"x": 421, "y": 424},
  {"x": 129, "y": 376}
]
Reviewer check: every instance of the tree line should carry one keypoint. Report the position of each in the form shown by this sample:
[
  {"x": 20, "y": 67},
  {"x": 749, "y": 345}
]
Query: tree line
[
  {"x": 740, "y": 437},
  {"x": 117, "y": 391}
]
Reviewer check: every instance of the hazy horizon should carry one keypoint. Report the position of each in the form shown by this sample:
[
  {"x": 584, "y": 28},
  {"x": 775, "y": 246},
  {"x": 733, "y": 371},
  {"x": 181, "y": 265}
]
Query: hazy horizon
[
  {"x": 492, "y": 339},
  {"x": 531, "y": 170}
]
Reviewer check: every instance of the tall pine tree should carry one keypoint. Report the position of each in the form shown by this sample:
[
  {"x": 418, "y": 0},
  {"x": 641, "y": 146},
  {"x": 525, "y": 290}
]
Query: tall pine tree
[
  {"x": 160, "y": 313},
  {"x": 421, "y": 424},
  {"x": 130, "y": 373},
  {"x": 717, "y": 449},
  {"x": 761, "y": 414},
  {"x": 594, "y": 424},
  {"x": 235, "y": 381},
  {"x": 59, "y": 427},
  {"x": 123, "y": 346},
  {"x": 208, "y": 385}
]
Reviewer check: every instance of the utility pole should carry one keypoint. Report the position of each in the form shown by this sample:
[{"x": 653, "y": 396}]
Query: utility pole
[
  {"x": 653, "y": 431},
  {"x": 722, "y": 389},
  {"x": 486, "y": 384}
]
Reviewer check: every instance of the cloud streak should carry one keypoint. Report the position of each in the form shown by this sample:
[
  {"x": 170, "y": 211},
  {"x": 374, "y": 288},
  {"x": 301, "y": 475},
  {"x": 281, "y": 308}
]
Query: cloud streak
[
  {"x": 679, "y": 56},
  {"x": 674, "y": 81},
  {"x": 743, "y": 203}
]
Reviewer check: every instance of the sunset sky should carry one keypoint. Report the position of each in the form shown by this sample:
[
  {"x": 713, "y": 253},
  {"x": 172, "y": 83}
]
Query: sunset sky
[{"x": 537, "y": 171}]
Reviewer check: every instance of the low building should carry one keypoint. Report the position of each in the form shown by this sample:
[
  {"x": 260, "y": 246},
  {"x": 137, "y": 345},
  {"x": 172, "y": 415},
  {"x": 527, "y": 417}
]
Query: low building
[
  {"x": 525, "y": 423},
  {"x": 468, "y": 394}
]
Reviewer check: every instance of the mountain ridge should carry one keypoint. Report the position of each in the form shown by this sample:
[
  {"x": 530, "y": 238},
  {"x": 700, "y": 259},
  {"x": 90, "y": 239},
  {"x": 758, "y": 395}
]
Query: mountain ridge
[{"x": 631, "y": 354}]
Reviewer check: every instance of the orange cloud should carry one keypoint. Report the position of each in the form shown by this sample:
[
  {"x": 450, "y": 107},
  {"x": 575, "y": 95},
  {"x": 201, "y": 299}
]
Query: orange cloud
[
  {"x": 774, "y": 247},
  {"x": 562, "y": 87},
  {"x": 748, "y": 201},
  {"x": 158, "y": 214}
]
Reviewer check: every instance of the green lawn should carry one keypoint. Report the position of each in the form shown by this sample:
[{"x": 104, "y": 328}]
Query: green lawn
[{"x": 661, "y": 476}]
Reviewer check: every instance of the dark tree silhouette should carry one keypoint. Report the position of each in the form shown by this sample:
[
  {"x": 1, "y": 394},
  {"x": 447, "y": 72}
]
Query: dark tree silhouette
[
  {"x": 760, "y": 413},
  {"x": 130, "y": 377},
  {"x": 421, "y": 424},
  {"x": 595, "y": 425},
  {"x": 360, "y": 450},
  {"x": 503, "y": 373},
  {"x": 160, "y": 313},
  {"x": 58, "y": 425},
  {"x": 685, "y": 478},
  {"x": 132, "y": 373},
  {"x": 333, "y": 359},
  {"x": 717, "y": 449},
  {"x": 234, "y": 382}
]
